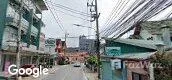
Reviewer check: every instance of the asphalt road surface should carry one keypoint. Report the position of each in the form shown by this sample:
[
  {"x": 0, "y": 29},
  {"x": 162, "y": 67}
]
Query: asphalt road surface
[{"x": 67, "y": 73}]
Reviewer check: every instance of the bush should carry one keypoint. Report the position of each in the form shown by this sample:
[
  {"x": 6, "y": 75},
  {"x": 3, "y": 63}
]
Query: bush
[{"x": 92, "y": 60}]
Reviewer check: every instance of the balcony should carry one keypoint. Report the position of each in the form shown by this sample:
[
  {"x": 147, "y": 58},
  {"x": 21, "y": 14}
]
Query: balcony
[
  {"x": 34, "y": 31},
  {"x": 11, "y": 45},
  {"x": 24, "y": 24},
  {"x": 12, "y": 18}
]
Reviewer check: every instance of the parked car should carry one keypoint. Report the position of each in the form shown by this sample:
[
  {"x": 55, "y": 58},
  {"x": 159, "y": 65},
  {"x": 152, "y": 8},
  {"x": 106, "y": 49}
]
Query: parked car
[
  {"x": 28, "y": 66},
  {"x": 77, "y": 64}
]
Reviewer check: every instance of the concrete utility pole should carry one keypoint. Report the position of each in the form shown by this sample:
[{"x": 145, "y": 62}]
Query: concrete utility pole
[
  {"x": 96, "y": 16},
  {"x": 65, "y": 43},
  {"x": 98, "y": 39},
  {"x": 19, "y": 37}
]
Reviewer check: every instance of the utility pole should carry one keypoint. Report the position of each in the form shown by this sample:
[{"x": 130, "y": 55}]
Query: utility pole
[
  {"x": 65, "y": 43},
  {"x": 95, "y": 17},
  {"x": 19, "y": 37},
  {"x": 98, "y": 40}
]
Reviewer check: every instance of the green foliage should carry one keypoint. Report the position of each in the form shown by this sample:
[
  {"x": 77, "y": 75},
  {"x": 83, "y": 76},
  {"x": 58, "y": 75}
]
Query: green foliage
[
  {"x": 165, "y": 60},
  {"x": 92, "y": 60}
]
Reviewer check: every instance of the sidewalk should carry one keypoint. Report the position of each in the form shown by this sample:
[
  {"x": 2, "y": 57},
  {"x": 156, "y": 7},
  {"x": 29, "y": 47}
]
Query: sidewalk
[
  {"x": 90, "y": 74},
  {"x": 51, "y": 71}
]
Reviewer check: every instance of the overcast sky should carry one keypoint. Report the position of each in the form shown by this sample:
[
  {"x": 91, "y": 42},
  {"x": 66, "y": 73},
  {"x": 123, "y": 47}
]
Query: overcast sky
[{"x": 52, "y": 30}]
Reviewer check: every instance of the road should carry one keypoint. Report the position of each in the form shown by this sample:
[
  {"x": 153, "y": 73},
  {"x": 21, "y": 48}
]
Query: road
[{"x": 67, "y": 73}]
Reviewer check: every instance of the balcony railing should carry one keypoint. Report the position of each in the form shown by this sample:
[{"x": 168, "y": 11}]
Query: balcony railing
[
  {"x": 34, "y": 31},
  {"x": 24, "y": 24},
  {"x": 12, "y": 18}
]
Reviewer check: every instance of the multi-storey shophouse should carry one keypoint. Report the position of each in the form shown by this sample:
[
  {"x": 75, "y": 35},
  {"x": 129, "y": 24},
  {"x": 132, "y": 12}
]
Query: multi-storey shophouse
[{"x": 31, "y": 23}]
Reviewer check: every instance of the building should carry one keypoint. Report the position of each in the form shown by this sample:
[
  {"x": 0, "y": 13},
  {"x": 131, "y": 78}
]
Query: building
[
  {"x": 31, "y": 23},
  {"x": 64, "y": 47},
  {"x": 61, "y": 47},
  {"x": 86, "y": 45},
  {"x": 120, "y": 53},
  {"x": 72, "y": 50},
  {"x": 77, "y": 56},
  {"x": 154, "y": 30},
  {"x": 42, "y": 42},
  {"x": 50, "y": 50},
  {"x": 50, "y": 46},
  {"x": 55, "y": 48}
]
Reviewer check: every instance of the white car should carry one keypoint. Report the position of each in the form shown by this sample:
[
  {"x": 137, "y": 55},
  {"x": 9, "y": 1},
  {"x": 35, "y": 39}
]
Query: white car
[{"x": 77, "y": 64}]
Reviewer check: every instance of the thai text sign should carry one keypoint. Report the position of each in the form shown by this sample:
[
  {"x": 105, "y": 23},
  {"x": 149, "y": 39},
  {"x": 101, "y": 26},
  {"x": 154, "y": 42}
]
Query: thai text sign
[{"x": 113, "y": 51}]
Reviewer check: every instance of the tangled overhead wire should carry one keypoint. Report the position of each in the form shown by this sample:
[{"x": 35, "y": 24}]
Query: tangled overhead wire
[{"x": 141, "y": 10}]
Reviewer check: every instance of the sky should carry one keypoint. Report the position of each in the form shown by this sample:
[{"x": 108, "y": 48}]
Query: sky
[
  {"x": 105, "y": 7},
  {"x": 52, "y": 30}
]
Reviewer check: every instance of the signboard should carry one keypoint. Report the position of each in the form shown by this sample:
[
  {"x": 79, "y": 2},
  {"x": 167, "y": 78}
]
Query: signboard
[
  {"x": 50, "y": 45},
  {"x": 113, "y": 51},
  {"x": 50, "y": 42},
  {"x": 116, "y": 64}
]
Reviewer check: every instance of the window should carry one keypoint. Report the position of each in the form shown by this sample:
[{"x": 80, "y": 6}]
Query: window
[
  {"x": 23, "y": 36},
  {"x": 171, "y": 38},
  {"x": 33, "y": 40}
]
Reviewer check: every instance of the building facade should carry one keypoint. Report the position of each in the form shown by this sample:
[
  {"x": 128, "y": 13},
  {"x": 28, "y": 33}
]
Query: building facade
[
  {"x": 86, "y": 45},
  {"x": 72, "y": 50},
  {"x": 50, "y": 46},
  {"x": 42, "y": 42},
  {"x": 31, "y": 23},
  {"x": 126, "y": 52},
  {"x": 155, "y": 31}
]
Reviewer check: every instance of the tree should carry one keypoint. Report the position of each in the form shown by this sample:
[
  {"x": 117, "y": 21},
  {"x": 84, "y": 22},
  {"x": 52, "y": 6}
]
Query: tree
[
  {"x": 92, "y": 60},
  {"x": 165, "y": 71}
]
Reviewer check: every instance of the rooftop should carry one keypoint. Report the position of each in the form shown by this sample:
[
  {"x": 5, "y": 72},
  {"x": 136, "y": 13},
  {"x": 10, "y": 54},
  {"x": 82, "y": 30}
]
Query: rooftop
[
  {"x": 154, "y": 27},
  {"x": 141, "y": 43}
]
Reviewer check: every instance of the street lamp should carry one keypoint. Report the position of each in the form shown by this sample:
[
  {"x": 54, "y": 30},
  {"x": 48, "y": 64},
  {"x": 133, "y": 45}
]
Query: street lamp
[{"x": 84, "y": 26}]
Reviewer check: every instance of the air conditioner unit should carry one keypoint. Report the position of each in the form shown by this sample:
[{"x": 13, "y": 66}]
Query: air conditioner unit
[{"x": 116, "y": 64}]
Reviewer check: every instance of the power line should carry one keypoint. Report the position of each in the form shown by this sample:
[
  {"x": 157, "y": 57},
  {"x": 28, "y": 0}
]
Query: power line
[
  {"x": 139, "y": 12},
  {"x": 144, "y": 16},
  {"x": 111, "y": 14},
  {"x": 69, "y": 9},
  {"x": 127, "y": 12},
  {"x": 66, "y": 7},
  {"x": 131, "y": 9},
  {"x": 55, "y": 17},
  {"x": 160, "y": 6},
  {"x": 71, "y": 15},
  {"x": 121, "y": 21},
  {"x": 114, "y": 12}
]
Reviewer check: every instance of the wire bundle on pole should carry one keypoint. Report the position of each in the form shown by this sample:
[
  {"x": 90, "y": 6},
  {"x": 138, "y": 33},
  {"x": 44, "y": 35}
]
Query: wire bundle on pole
[{"x": 141, "y": 10}]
